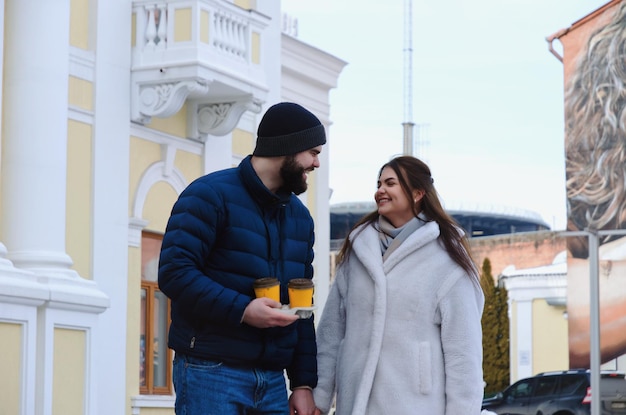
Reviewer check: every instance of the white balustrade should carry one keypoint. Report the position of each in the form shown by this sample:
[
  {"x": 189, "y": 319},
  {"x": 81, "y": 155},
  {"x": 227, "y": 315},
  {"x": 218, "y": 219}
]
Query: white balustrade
[
  {"x": 204, "y": 60},
  {"x": 229, "y": 34}
]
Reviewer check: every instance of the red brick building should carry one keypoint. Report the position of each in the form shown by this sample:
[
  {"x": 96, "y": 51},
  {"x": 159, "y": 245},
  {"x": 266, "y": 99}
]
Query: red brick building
[{"x": 522, "y": 250}]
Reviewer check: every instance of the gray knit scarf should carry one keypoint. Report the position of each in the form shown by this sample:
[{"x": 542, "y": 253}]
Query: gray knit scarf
[{"x": 391, "y": 237}]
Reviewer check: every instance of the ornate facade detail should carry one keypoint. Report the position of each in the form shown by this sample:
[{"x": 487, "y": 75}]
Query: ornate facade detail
[
  {"x": 165, "y": 99},
  {"x": 203, "y": 53},
  {"x": 220, "y": 118}
]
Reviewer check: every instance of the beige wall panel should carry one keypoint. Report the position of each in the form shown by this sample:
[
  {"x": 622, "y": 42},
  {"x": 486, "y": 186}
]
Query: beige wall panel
[
  {"x": 133, "y": 321},
  {"x": 255, "y": 48},
  {"x": 3, "y": 138},
  {"x": 157, "y": 411},
  {"x": 550, "y": 341},
  {"x": 243, "y": 142},
  {"x": 68, "y": 379},
  {"x": 79, "y": 23},
  {"x": 182, "y": 25},
  {"x": 246, "y": 4},
  {"x": 204, "y": 27},
  {"x": 142, "y": 154},
  {"x": 79, "y": 202},
  {"x": 10, "y": 367},
  {"x": 81, "y": 93},
  {"x": 189, "y": 164},
  {"x": 175, "y": 125},
  {"x": 158, "y": 206},
  {"x": 1, "y": 150}
]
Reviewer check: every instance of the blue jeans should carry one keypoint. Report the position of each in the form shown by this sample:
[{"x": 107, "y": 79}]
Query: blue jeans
[{"x": 207, "y": 387}]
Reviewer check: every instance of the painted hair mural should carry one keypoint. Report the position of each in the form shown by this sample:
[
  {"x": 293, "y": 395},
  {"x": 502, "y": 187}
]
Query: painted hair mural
[{"x": 595, "y": 157}]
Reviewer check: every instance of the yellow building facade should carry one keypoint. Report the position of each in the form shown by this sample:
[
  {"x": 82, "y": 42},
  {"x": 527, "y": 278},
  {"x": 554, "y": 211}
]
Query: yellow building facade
[{"x": 109, "y": 110}]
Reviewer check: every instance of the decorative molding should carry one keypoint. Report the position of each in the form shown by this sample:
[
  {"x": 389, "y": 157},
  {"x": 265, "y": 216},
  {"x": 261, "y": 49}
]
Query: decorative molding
[
  {"x": 550, "y": 287},
  {"x": 151, "y": 401},
  {"x": 4, "y": 263},
  {"x": 219, "y": 119},
  {"x": 161, "y": 138},
  {"x": 157, "y": 172},
  {"x": 82, "y": 64},
  {"x": 80, "y": 115},
  {"x": 213, "y": 68},
  {"x": 152, "y": 175},
  {"x": 135, "y": 227},
  {"x": 164, "y": 99},
  {"x": 47, "y": 279},
  {"x": 168, "y": 155}
]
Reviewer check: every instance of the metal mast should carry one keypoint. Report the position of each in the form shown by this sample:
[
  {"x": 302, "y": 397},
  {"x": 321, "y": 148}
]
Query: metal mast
[{"x": 408, "y": 78}]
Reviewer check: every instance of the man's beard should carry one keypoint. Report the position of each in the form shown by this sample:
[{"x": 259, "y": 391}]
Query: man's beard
[{"x": 293, "y": 176}]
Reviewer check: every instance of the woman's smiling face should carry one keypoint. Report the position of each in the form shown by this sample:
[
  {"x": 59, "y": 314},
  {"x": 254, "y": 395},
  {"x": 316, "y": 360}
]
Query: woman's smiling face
[{"x": 391, "y": 200}]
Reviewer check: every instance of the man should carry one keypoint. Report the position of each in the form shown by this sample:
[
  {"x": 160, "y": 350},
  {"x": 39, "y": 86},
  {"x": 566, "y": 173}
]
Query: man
[{"x": 226, "y": 230}]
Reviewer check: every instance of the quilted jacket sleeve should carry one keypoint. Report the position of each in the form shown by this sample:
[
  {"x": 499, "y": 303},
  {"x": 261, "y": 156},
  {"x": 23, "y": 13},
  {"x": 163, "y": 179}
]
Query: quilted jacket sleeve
[{"x": 189, "y": 237}]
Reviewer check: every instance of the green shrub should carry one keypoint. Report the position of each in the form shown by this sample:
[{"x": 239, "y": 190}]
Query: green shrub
[{"x": 495, "y": 324}]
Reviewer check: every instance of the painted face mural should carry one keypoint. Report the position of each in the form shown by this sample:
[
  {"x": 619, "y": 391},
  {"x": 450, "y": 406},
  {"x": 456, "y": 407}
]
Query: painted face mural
[{"x": 595, "y": 156}]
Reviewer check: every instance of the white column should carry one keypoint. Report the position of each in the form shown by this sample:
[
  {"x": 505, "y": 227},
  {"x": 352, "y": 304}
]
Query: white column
[
  {"x": 110, "y": 220},
  {"x": 35, "y": 141},
  {"x": 321, "y": 264}
]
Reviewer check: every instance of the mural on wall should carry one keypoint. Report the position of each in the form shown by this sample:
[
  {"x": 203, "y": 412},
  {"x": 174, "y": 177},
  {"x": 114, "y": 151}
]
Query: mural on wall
[{"x": 595, "y": 157}]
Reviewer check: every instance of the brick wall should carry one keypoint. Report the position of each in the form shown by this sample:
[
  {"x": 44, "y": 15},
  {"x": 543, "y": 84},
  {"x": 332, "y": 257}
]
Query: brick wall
[{"x": 524, "y": 250}]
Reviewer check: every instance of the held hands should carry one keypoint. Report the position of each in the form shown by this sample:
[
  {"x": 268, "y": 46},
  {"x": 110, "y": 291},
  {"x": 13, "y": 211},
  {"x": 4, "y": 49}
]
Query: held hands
[
  {"x": 264, "y": 312},
  {"x": 301, "y": 402}
]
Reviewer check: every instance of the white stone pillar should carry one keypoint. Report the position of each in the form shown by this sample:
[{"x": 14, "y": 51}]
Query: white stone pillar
[
  {"x": 321, "y": 202},
  {"x": 110, "y": 219},
  {"x": 34, "y": 181},
  {"x": 35, "y": 141}
]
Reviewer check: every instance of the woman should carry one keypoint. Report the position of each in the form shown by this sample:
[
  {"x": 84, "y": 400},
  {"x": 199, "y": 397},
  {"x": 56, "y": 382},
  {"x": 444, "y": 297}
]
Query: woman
[{"x": 401, "y": 332}]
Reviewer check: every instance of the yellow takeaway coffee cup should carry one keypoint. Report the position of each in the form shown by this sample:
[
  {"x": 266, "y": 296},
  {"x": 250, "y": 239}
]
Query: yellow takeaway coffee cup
[
  {"x": 267, "y": 287},
  {"x": 300, "y": 292}
]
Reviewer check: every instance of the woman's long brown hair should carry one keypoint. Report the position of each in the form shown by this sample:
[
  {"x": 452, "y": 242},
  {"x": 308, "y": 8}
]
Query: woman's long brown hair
[{"x": 414, "y": 174}]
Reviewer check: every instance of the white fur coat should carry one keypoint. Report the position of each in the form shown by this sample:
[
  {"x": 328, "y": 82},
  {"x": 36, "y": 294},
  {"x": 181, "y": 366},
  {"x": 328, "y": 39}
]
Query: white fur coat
[{"x": 401, "y": 337}]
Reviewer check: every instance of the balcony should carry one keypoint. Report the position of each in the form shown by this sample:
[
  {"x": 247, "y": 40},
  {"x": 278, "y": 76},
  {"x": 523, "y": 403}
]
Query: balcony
[{"x": 204, "y": 53}]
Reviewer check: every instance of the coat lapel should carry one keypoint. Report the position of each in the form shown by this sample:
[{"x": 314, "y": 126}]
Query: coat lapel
[
  {"x": 367, "y": 249},
  {"x": 422, "y": 236}
]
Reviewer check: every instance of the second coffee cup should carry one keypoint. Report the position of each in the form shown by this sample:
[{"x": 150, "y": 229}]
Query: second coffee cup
[
  {"x": 267, "y": 287},
  {"x": 300, "y": 292}
]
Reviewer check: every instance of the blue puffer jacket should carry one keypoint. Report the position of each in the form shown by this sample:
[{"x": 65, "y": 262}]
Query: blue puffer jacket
[{"x": 226, "y": 230}]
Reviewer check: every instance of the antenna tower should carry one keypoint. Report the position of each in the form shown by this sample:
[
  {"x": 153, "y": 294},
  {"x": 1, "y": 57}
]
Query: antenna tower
[{"x": 408, "y": 78}]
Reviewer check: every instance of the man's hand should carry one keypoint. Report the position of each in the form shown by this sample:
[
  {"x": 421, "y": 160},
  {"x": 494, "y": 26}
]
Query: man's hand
[
  {"x": 301, "y": 402},
  {"x": 264, "y": 312}
]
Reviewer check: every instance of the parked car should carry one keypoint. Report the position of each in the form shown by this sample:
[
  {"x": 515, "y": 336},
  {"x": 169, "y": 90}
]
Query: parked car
[{"x": 565, "y": 392}]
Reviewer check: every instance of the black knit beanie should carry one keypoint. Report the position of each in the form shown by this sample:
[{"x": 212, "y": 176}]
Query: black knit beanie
[{"x": 288, "y": 128}]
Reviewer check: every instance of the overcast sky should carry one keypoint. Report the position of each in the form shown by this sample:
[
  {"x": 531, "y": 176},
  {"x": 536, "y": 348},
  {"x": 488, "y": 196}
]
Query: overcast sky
[{"x": 486, "y": 92}]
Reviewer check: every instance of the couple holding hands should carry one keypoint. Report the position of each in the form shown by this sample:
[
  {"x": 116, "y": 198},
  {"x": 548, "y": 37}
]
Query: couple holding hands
[{"x": 401, "y": 329}]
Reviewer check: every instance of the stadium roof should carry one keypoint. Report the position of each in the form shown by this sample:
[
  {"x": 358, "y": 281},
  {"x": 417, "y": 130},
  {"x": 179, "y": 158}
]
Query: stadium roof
[{"x": 477, "y": 219}]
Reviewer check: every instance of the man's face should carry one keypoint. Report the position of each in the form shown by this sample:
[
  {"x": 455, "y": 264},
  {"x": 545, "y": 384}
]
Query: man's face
[{"x": 295, "y": 168}]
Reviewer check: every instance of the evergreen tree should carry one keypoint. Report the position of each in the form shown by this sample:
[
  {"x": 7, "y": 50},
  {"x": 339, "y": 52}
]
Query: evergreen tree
[{"x": 495, "y": 324}]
